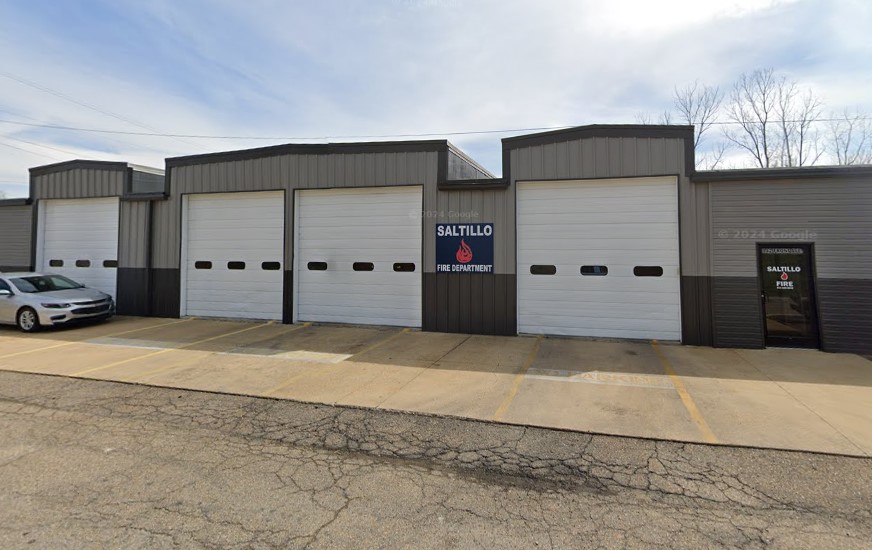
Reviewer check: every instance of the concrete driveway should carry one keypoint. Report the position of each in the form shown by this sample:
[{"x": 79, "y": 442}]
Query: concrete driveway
[{"x": 776, "y": 398}]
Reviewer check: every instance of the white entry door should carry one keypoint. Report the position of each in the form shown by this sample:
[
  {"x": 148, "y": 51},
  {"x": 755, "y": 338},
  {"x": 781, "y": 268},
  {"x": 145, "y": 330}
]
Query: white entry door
[
  {"x": 232, "y": 255},
  {"x": 78, "y": 238},
  {"x": 599, "y": 258},
  {"x": 358, "y": 256}
]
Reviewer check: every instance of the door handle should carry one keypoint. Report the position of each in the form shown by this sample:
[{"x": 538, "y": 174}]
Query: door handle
[{"x": 763, "y": 297}]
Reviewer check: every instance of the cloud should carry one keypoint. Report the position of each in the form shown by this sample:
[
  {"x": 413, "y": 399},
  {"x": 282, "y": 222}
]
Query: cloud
[{"x": 274, "y": 68}]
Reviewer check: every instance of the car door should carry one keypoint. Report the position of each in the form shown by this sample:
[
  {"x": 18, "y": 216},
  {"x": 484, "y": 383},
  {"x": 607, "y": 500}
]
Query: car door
[{"x": 7, "y": 304}]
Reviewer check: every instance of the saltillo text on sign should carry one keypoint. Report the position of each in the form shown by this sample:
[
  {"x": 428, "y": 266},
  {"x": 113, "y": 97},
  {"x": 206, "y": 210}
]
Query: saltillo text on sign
[{"x": 465, "y": 248}]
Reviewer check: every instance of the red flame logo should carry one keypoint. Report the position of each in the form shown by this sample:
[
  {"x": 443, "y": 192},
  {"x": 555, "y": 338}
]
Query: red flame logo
[
  {"x": 464, "y": 253},
  {"x": 784, "y": 276}
]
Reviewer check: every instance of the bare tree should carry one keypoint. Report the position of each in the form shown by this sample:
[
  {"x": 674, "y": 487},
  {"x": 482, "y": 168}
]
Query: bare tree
[
  {"x": 797, "y": 114},
  {"x": 752, "y": 108},
  {"x": 774, "y": 120},
  {"x": 712, "y": 159},
  {"x": 666, "y": 117},
  {"x": 644, "y": 117},
  {"x": 849, "y": 138},
  {"x": 2, "y": 194},
  {"x": 697, "y": 105}
]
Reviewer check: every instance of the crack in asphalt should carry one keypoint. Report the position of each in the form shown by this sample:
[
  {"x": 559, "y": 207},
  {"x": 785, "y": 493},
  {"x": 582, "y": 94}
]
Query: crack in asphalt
[{"x": 86, "y": 463}]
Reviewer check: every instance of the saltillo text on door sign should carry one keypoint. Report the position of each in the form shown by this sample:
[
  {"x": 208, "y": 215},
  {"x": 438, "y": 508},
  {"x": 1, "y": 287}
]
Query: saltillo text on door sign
[{"x": 465, "y": 248}]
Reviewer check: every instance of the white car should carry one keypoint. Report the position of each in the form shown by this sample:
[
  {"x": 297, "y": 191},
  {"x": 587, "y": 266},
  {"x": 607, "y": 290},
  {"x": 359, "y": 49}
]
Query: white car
[{"x": 34, "y": 300}]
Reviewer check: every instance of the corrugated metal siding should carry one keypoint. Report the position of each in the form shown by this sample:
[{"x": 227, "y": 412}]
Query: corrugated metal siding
[
  {"x": 147, "y": 183},
  {"x": 833, "y": 214},
  {"x": 599, "y": 158},
  {"x": 460, "y": 168},
  {"x": 738, "y": 314},
  {"x": 477, "y": 303},
  {"x": 846, "y": 315},
  {"x": 133, "y": 234},
  {"x": 695, "y": 230},
  {"x": 79, "y": 183},
  {"x": 696, "y": 311},
  {"x": 287, "y": 172},
  {"x": 495, "y": 206},
  {"x": 16, "y": 224}
]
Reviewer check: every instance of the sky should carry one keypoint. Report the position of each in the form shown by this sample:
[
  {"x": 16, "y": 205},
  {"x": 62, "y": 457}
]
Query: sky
[{"x": 313, "y": 72}]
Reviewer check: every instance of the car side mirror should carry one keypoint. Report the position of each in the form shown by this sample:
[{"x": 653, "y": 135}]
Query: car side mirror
[{"x": 5, "y": 292}]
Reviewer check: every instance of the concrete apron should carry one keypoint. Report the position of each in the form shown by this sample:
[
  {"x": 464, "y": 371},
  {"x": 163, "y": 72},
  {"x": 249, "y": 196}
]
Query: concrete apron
[{"x": 775, "y": 398}]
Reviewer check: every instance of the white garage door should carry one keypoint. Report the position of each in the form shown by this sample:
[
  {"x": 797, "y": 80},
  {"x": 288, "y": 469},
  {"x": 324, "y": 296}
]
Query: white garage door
[
  {"x": 358, "y": 256},
  {"x": 599, "y": 258},
  {"x": 78, "y": 238},
  {"x": 232, "y": 253}
]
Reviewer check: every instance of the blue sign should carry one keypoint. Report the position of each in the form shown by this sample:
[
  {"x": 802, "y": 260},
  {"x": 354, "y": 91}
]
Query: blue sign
[{"x": 464, "y": 248}]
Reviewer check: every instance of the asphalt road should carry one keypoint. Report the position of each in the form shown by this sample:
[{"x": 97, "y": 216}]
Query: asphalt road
[{"x": 87, "y": 464}]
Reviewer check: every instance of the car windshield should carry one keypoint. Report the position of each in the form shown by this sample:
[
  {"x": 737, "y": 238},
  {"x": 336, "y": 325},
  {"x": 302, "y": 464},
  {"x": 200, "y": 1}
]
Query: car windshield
[{"x": 44, "y": 283}]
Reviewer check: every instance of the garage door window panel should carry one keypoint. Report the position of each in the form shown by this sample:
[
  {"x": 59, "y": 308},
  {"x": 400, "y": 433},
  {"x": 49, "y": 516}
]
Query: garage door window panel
[
  {"x": 594, "y": 270},
  {"x": 648, "y": 271}
]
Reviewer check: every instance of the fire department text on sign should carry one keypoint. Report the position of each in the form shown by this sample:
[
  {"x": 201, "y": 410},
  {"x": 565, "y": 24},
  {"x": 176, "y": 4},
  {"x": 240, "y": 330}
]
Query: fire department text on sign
[{"x": 465, "y": 247}]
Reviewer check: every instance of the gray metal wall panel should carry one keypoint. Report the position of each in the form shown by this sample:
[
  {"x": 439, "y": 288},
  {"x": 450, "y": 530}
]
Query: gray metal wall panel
[
  {"x": 147, "y": 183},
  {"x": 846, "y": 315},
  {"x": 16, "y": 223},
  {"x": 834, "y": 214},
  {"x": 476, "y": 303},
  {"x": 132, "y": 291},
  {"x": 738, "y": 314},
  {"x": 79, "y": 183},
  {"x": 599, "y": 157},
  {"x": 695, "y": 229},
  {"x": 285, "y": 172},
  {"x": 167, "y": 237},
  {"x": 696, "y": 314},
  {"x": 133, "y": 234}
]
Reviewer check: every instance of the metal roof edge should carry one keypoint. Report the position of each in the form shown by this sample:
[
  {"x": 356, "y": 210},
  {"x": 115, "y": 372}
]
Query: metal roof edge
[
  {"x": 797, "y": 172},
  {"x": 311, "y": 149},
  {"x": 600, "y": 130}
]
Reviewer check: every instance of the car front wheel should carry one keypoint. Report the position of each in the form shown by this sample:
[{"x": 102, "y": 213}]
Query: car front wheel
[{"x": 27, "y": 320}]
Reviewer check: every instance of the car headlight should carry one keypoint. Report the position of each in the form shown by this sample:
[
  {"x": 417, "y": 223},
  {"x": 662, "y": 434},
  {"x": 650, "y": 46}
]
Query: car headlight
[{"x": 56, "y": 306}]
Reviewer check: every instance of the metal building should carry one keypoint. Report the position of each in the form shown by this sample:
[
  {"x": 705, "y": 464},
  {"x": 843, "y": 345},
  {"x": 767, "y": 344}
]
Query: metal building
[
  {"x": 817, "y": 223},
  {"x": 88, "y": 220},
  {"x": 347, "y": 219},
  {"x": 598, "y": 231}
]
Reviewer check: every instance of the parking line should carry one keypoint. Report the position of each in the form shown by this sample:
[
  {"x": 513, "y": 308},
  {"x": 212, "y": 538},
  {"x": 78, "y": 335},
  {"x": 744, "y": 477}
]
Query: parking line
[
  {"x": 516, "y": 383},
  {"x": 290, "y": 380},
  {"x": 141, "y": 375},
  {"x": 152, "y": 354},
  {"x": 179, "y": 364},
  {"x": 686, "y": 400},
  {"x": 378, "y": 344},
  {"x": 54, "y": 346}
]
